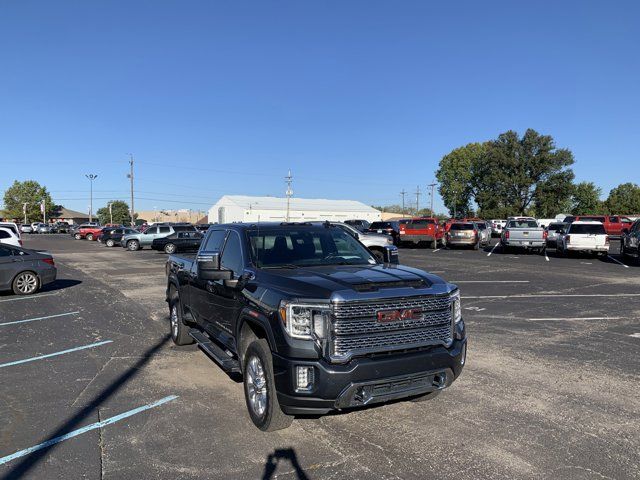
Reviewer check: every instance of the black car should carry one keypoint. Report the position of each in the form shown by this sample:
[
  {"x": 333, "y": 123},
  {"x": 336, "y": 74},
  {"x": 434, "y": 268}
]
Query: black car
[
  {"x": 360, "y": 225},
  {"x": 312, "y": 321},
  {"x": 178, "y": 242},
  {"x": 203, "y": 227},
  {"x": 630, "y": 243},
  {"x": 391, "y": 228},
  {"x": 60, "y": 227},
  {"x": 111, "y": 236}
]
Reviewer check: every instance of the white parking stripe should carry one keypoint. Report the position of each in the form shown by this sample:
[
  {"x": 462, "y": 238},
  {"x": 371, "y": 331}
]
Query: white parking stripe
[
  {"x": 38, "y": 318},
  {"x": 55, "y": 354},
  {"x": 436, "y": 250},
  {"x": 570, "y": 319},
  {"x": 27, "y": 297},
  {"x": 618, "y": 261},
  {"x": 555, "y": 295},
  {"x": 82, "y": 430},
  {"x": 546, "y": 257},
  {"x": 494, "y": 247},
  {"x": 635, "y": 335},
  {"x": 489, "y": 281}
]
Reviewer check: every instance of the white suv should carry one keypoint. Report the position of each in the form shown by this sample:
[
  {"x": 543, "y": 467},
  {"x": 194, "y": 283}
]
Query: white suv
[{"x": 583, "y": 236}]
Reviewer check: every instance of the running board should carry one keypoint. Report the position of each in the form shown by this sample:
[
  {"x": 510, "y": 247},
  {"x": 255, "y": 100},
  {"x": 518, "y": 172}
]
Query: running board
[{"x": 227, "y": 363}]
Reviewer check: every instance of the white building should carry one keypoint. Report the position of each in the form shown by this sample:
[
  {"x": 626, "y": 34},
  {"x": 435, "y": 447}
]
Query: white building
[{"x": 241, "y": 208}]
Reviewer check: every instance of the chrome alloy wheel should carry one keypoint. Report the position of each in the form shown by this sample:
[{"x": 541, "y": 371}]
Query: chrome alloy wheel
[
  {"x": 257, "y": 386},
  {"x": 174, "y": 321},
  {"x": 27, "y": 283}
]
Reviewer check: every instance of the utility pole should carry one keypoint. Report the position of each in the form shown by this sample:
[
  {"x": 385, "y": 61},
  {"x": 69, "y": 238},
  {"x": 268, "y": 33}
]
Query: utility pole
[
  {"x": 24, "y": 211},
  {"x": 110, "y": 214},
  {"x": 130, "y": 175},
  {"x": 418, "y": 199},
  {"x": 91, "y": 178},
  {"x": 43, "y": 207},
  {"x": 403, "y": 193},
  {"x": 432, "y": 185},
  {"x": 289, "y": 193}
]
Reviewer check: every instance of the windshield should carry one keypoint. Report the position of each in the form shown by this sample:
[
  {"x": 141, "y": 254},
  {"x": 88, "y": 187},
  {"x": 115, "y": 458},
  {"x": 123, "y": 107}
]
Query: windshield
[
  {"x": 523, "y": 224},
  {"x": 274, "y": 247},
  {"x": 592, "y": 228}
]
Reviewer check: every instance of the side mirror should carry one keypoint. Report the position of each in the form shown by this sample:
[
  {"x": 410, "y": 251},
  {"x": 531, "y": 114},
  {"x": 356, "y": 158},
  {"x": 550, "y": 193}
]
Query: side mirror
[
  {"x": 209, "y": 268},
  {"x": 391, "y": 255}
]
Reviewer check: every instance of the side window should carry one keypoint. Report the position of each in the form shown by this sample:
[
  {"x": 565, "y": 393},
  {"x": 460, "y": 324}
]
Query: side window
[
  {"x": 4, "y": 234},
  {"x": 165, "y": 229},
  {"x": 215, "y": 241},
  {"x": 5, "y": 252},
  {"x": 614, "y": 220},
  {"x": 152, "y": 231},
  {"x": 232, "y": 255}
]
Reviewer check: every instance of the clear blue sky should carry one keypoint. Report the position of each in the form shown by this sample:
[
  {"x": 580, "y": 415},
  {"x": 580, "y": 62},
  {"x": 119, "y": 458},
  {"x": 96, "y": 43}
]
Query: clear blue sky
[{"x": 359, "y": 98}]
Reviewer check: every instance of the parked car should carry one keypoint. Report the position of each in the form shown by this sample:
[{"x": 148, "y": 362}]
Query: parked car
[
  {"x": 584, "y": 236},
  {"x": 360, "y": 225},
  {"x": 552, "y": 233},
  {"x": 464, "y": 234},
  {"x": 422, "y": 229},
  {"x": 484, "y": 230},
  {"x": 523, "y": 232},
  {"x": 88, "y": 232},
  {"x": 44, "y": 228},
  {"x": 497, "y": 226},
  {"x": 25, "y": 271},
  {"x": 26, "y": 228},
  {"x": 630, "y": 242},
  {"x": 11, "y": 226},
  {"x": 178, "y": 242},
  {"x": 375, "y": 242},
  {"x": 136, "y": 241},
  {"x": 203, "y": 227},
  {"x": 112, "y": 236},
  {"x": 312, "y": 321},
  {"x": 9, "y": 237},
  {"x": 60, "y": 227},
  {"x": 613, "y": 224},
  {"x": 390, "y": 228}
]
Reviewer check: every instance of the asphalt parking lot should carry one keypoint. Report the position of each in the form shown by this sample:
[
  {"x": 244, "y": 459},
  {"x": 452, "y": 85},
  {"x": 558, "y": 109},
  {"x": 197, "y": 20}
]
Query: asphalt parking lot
[{"x": 550, "y": 389}]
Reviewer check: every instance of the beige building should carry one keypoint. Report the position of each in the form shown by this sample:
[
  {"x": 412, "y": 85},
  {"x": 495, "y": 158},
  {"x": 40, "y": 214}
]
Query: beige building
[{"x": 181, "y": 215}]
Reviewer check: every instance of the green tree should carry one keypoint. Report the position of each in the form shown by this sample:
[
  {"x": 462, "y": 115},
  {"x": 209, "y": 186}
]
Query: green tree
[
  {"x": 31, "y": 193},
  {"x": 585, "y": 199},
  {"x": 455, "y": 177},
  {"x": 623, "y": 200},
  {"x": 119, "y": 211}
]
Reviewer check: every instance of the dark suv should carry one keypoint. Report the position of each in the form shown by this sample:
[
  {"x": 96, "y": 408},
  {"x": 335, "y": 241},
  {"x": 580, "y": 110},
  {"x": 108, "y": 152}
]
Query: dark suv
[
  {"x": 390, "y": 228},
  {"x": 630, "y": 242}
]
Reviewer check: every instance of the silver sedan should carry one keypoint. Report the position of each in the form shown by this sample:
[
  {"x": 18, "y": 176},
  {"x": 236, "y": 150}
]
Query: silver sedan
[{"x": 25, "y": 271}]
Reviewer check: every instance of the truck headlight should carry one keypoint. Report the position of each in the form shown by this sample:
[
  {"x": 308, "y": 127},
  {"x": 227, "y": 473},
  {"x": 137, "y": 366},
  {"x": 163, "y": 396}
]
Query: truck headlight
[
  {"x": 456, "y": 308},
  {"x": 304, "y": 320}
]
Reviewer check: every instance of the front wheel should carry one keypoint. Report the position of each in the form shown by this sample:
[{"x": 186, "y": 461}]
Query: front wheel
[
  {"x": 90, "y": 237},
  {"x": 77, "y": 236},
  {"x": 376, "y": 253},
  {"x": 170, "y": 248},
  {"x": 109, "y": 243},
  {"x": 133, "y": 245},
  {"x": 259, "y": 389}
]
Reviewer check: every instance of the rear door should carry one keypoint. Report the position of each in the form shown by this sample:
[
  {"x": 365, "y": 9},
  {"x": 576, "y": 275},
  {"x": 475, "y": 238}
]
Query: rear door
[{"x": 9, "y": 266}]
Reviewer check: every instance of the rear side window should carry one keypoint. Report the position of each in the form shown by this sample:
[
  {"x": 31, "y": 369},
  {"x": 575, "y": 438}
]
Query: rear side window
[
  {"x": 152, "y": 231},
  {"x": 4, "y": 234},
  {"x": 593, "y": 229},
  {"x": 165, "y": 229},
  {"x": 215, "y": 240}
]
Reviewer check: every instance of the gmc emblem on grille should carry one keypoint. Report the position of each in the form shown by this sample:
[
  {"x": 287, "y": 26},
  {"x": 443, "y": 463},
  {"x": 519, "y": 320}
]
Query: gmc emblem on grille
[{"x": 386, "y": 316}]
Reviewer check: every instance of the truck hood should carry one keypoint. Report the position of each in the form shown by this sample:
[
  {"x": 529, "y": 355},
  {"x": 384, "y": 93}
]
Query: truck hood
[{"x": 355, "y": 282}]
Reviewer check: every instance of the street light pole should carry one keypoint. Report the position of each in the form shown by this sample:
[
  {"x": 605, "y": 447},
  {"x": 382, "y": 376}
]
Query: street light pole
[
  {"x": 110, "y": 213},
  {"x": 24, "y": 211},
  {"x": 432, "y": 185},
  {"x": 91, "y": 178}
]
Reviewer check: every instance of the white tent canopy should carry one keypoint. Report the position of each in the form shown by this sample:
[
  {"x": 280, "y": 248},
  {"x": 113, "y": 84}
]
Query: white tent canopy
[{"x": 244, "y": 208}]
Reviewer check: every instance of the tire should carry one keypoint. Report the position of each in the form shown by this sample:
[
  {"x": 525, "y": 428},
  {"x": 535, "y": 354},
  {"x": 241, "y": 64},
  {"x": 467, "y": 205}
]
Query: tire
[
  {"x": 25, "y": 283},
  {"x": 133, "y": 245},
  {"x": 77, "y": 236},
  {"x": 259, "y": 389},
  {"x": 90, "y": 237},
  {"x": 179, "y": 331},
  {"x": 110, "y": 243},
  {"x": 378, "y": 254},
  {"x": 477, "y": 246},
  {"x": 426, "y": 396},
  {"x": 170, "y": 248}
]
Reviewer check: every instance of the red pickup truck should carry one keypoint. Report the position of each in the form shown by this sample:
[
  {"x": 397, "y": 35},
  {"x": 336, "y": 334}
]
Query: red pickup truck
[
  {"x": 89, "y": 233},
  {"x": 614, "y": 225},
  {"x": 423, "y": 229}
]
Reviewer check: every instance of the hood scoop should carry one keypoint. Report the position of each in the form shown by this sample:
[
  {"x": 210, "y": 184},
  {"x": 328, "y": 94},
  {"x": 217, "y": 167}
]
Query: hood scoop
[{"x": 374, "y": 286}]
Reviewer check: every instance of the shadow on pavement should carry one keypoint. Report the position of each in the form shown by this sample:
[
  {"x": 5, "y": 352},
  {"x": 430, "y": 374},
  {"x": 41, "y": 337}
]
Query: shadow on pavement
[
  {"x": 21, "y": 469},
  {"x": 286, "y": 456},
  {"x": 60, "y": 284}
]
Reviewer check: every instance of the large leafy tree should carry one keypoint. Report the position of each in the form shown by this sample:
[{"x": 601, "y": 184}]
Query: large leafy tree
[
  {"x": 624, "y": 199},
  {"x": 119, "y": 211},
  {"x": 455, "y": 176},
  {"x": 585, "y": 199},
  {"x": 31, "y": 193}
]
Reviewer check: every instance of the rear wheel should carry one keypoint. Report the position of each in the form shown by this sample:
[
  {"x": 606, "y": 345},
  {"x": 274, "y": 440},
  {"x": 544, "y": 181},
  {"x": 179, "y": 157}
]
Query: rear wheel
[
  {"x": 110, "y": 243},
  {"x": 133, "y": 245},
  {"x": 259, "y": 389},
  {"x": 179, "y": 331},
  {"x": 25, "y": 283},
  {"x": 90, "y": 237},
  {"x": 169, "y": 248}
]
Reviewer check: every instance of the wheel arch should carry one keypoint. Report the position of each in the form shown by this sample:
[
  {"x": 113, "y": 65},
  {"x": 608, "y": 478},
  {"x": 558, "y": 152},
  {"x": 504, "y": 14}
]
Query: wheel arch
[{"x": 250, "y": 327}]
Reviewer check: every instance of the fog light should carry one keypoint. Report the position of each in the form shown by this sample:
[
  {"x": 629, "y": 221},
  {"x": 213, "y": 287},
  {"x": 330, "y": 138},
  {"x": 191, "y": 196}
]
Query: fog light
[
  {"x": 304, "y": 379},
  {"x": 463, "y": 355}
]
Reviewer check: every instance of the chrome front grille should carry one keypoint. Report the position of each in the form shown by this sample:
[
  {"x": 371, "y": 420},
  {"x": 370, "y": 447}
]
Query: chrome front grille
[{"x": 357, "y": 331}]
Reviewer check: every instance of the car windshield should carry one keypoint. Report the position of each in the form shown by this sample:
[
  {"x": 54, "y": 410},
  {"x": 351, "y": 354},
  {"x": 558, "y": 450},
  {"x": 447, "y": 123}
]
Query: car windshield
[
  {"x": 523, "y": 224},
  {"x": 462, "y": 226},
  {"x": 587, "y": 229},
  {"x": 274, "y": 247}
]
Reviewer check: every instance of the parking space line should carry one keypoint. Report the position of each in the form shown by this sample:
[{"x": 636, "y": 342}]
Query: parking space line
[
  {"x": 618, "y": 261},
  {"x": 489, "y": 281},
  {"x": 571, "y": 319},
  {"x": 27, "y": 297},
  {"x": 494, "y": 247},
  {"x": 55, "y": 354},
  {"x": 555, "y": 295},
  {"x": 85, "y": 429},
  {"x": 38, "y": 318},
  {"x": 546, "y": 257},
  {"x": 436, "y": 250},
  {"x": 635, "y": 335}
]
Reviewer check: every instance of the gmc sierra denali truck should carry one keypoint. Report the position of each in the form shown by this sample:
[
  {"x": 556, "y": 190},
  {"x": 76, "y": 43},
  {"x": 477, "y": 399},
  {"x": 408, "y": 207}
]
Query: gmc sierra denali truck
[{"x": 312, "y": 321}]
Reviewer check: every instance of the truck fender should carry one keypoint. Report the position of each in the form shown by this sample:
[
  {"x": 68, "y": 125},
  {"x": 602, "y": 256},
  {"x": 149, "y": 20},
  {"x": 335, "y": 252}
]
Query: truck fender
[
  {"x": 256, "y": 321},
  {"x": 172, "y": 281}
]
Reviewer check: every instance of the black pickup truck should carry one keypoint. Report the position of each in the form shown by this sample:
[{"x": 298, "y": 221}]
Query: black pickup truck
[{"x": 312, "y": 321}]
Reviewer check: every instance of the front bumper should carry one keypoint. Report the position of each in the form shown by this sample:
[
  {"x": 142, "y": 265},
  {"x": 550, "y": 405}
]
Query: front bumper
[{"x": 368, "y": 380}]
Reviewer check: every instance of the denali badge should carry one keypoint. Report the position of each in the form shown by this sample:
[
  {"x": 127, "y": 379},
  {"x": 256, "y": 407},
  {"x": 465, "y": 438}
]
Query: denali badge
[{"x": 386, "y": 316}]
